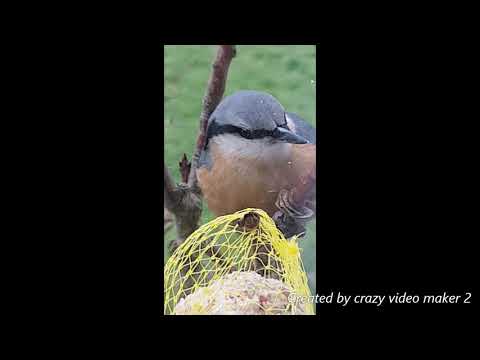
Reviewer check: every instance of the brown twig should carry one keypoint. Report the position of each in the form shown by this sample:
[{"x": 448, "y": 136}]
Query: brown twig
[
  {"x": 185, "y": 166},
  {"x": 184, "y": 203},
  {"x": 211, "y": 99},
  {"x": 184, "y": 200},
  {"x": 169, "y": 188}
]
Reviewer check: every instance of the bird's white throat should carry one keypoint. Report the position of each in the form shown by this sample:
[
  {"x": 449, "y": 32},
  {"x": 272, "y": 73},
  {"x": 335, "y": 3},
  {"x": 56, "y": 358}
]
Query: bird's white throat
[{"x": 258, "y": 150}]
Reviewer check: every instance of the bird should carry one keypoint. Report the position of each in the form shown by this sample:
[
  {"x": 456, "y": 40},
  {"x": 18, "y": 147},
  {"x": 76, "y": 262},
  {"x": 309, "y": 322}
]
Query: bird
[{"x": 253, "y": 150}]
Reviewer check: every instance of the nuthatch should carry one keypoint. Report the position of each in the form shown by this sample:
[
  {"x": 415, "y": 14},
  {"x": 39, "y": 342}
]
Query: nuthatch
[{"x": 253, "y": 150}]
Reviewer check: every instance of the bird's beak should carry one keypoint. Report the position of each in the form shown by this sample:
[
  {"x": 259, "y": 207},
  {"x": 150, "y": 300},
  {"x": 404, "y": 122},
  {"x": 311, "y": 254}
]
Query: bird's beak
[{"x": 285, "y": 135}]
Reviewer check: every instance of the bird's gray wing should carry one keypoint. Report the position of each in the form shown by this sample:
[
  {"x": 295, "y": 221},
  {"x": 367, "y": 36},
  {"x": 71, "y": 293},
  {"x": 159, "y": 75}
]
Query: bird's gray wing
[{"x": 301, "y": 127}]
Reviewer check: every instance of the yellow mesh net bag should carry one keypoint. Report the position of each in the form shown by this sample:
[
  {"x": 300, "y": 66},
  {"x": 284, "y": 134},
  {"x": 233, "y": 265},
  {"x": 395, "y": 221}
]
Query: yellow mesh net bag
[{"x": 238, "y": 264}]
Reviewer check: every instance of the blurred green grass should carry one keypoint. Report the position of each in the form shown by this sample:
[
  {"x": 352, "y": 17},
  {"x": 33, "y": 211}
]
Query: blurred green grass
[{"x": 285, "y": 71}]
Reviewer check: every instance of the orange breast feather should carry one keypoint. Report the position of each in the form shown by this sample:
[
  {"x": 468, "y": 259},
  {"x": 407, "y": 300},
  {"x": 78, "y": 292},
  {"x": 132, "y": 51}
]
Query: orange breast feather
[{"x": 237, "y": 183}]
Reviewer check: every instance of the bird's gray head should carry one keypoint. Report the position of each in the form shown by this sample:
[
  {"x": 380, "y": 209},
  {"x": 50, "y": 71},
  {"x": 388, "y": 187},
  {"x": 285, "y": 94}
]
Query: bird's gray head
[{"x": 251, "y": 115}]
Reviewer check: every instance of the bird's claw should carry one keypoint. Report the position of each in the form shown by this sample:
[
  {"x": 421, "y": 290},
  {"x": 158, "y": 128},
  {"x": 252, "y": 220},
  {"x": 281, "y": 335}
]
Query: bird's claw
[
  {"x": 290, "y": 219},
  {"x": 285, "y": 204}
]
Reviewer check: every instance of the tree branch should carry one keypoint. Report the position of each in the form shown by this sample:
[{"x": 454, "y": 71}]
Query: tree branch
[
  {"x": 169, "y": 189},
  {"x": 211, "y": 99},
  {"x": 184, "y": 200},
  {"x": 185, "y": 166}
]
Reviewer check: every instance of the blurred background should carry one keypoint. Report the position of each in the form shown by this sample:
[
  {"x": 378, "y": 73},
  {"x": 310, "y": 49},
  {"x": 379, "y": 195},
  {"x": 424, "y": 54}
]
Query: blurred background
[{"x": 285, "y": 71}]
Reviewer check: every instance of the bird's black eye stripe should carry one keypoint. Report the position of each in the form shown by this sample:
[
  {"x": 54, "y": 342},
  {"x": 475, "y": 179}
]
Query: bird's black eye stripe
[
  {"x": 255, "y": 134},
  {"x": 258, "y": 134},
  {"x": 216, "y": 129},
  {"x": 245, "y": 133}
]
